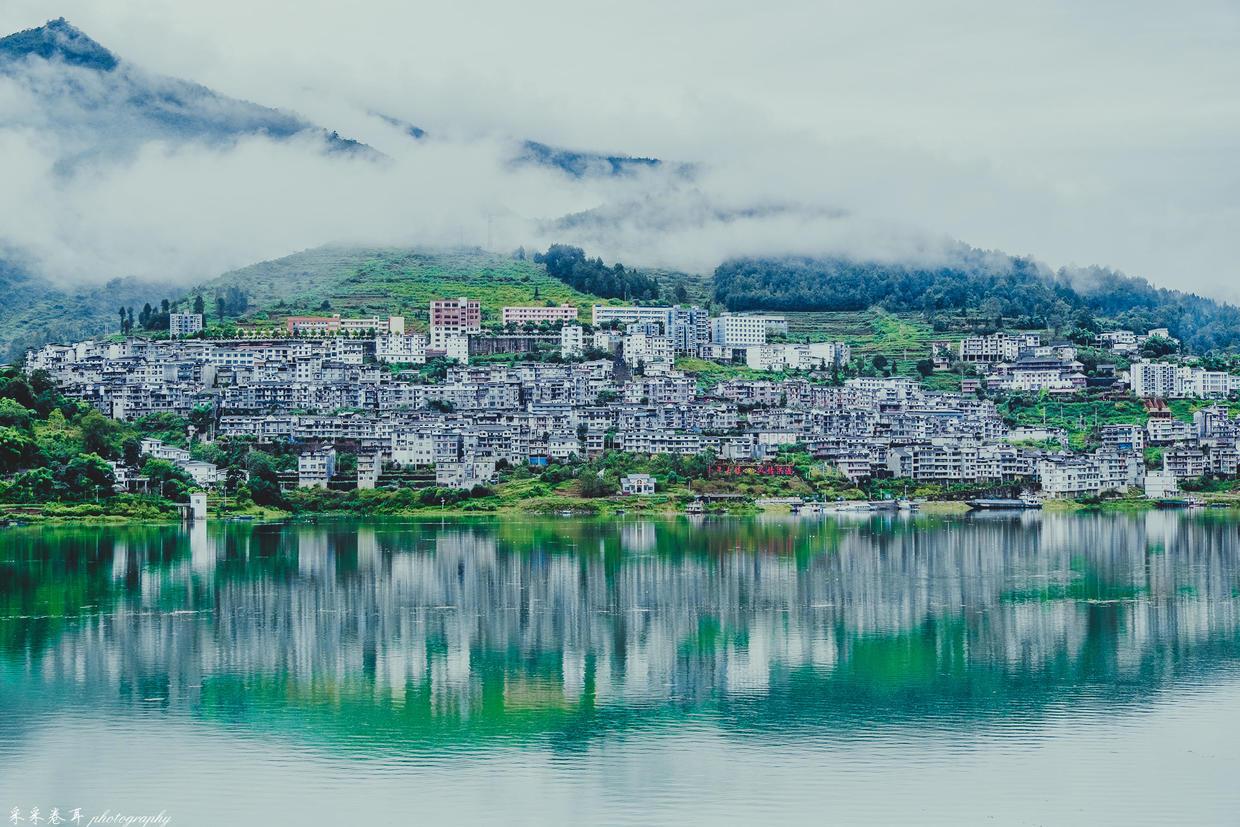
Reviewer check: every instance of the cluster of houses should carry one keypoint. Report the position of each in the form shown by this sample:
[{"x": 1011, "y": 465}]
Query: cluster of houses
[
  {"x": 1022, "y": 363},
  {"x": 337, "y": 384}
]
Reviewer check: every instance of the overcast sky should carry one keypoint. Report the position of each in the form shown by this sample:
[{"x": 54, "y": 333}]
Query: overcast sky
[{"x": 1090, "y": 133}]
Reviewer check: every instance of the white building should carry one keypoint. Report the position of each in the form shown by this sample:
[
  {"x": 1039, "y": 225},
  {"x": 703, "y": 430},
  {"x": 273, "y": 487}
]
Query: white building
[
  {"x": 184, "y": 324},
  {"x": 647, "y": 350},
  {"x": 369, "y": 466},
  {"x": 572, "y": 341},
  {"x": 745, "y": 329},
  {"x": 607, "y": 315},
  {"x": 396, "y": 347},
  {"x": 998, "y": 347},
  {"x": 637, "y": 485},
  {"x": 816, "y": 356},
  {"x": 1160, "y": 484},
  {"x": 454, "y": 347},
  {"x": 464, "y": 474},
  {"x": 1090, "y": 475},
  {"x": 1167, "y": 380},
  {"x": 316, "y": 468}
]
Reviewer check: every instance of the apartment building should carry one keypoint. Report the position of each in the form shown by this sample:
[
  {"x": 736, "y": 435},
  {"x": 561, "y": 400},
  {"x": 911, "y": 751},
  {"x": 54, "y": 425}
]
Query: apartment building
[
  {"x": 184, "y": 324},
  {"x": 454, "y": 317},
  {"x": 537, "y": 314},
  {"x": 997, "y": 347},
  {"x": 315, "y": 468},
  {"x": 746, "y": 329}
]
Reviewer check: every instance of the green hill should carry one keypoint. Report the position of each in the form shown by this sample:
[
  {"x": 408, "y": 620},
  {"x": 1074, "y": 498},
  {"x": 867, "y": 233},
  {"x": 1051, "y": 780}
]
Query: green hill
[{"x": 358, "y": 282}]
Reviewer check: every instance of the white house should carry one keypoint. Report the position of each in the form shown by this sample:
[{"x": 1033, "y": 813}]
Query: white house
[
  {"x": 637, "y": 485},
  {"x": 316, "y": 468}
]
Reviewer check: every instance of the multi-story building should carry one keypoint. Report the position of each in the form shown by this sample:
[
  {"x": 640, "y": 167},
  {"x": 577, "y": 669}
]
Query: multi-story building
[
  {"x": 184, "y": 324},
  {"x": 1122, "y": 437},
  {"x": 572, "y": 341},
  {"x": 815, "y": 356},
  {"x": 536, "y": 314},
  {"x": 605, "y": 315},
  {"x": 745, "y": 329},
  {"x": 395, "y": 347},
  {"x": 1167, "y": 380},
  {"x": 998, "y": 347},
  {"x": 1090, "y": 475},
  {"x": 641, "y": 348},
  {"x": 315, "y": 468},
  {"x": 460, "y": 316}
]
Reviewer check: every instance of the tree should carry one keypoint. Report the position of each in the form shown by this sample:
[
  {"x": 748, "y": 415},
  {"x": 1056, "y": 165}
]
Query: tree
[
  {"x": 682, "y": 295},
  {"x": 165, "y": 306},
  {"x": 202, "y": 417},
  {"x": 879, "y": 362},
  {"x": 16, "y": 448},
  {"x": 1156, "y": 346},
  {"x": 200, "y": 306},
  {"x": 925, "y": 366},
  {"x": 32, "y": 487},
  {"x": 15, "y": 415},
  {"x": 590, "y": 484},
  {"x": 86, "y": 476},
  {"x": 570, "y": 265},
  {"x": 219, "y": 307},
  {"x": 168, "y": 480},
  {"x": 122, "y": 315},
  {"x": 100, "y": 435}
]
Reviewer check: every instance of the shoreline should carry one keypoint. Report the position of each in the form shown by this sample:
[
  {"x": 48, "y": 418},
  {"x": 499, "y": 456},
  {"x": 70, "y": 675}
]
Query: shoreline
[{"x": 580, "y": 509}]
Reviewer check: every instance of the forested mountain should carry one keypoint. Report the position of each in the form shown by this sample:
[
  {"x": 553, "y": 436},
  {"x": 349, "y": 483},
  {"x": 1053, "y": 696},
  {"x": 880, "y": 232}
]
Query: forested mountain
[
  {"x": 580, "y": 164},
  {"x": 571, "y": 266},
  {"x": 103, "y": 104},
  {"x": 1007, "y": 290}
]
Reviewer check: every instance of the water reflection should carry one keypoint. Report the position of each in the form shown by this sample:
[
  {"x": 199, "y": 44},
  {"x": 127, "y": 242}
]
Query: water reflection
[{"x": 405, "y": 636}]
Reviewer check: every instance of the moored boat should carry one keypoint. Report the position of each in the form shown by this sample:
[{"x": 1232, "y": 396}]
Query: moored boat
[{"x": 1003, "y": 503}]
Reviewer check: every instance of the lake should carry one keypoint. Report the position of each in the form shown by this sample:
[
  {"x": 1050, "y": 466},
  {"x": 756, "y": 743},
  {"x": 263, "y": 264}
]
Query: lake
[{"x": 1020, "y": 668}]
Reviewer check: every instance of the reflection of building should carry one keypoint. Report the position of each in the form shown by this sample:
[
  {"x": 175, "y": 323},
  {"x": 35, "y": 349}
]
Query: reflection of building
[{"x": 634, "y": 614}]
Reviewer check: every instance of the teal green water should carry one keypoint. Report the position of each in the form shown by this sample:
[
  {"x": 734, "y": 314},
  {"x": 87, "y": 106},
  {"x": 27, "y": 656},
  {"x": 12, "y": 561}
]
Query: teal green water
[{"x": 1027, "y": 669}]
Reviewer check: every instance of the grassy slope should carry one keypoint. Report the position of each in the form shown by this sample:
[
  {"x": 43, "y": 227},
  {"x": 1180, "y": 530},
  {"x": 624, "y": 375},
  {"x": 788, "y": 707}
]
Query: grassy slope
[{"x": 360, "y": 282}]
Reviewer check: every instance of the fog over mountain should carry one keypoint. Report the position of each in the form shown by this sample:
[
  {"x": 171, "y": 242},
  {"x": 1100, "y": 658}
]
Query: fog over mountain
[{"x": 673, "y": 139}]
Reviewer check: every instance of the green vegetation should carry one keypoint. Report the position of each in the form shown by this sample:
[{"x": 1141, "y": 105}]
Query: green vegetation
[
  {"x": 54, "y": 454},
  {"x": 1079, "y": 417},
  {"x": 991, "y": 289},
  {"x": 360, "y": 282},
  {"x": 570, "y": 265}
]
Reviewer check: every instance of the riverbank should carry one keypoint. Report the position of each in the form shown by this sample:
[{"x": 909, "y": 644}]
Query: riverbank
[{"x": 655, "y": 506}]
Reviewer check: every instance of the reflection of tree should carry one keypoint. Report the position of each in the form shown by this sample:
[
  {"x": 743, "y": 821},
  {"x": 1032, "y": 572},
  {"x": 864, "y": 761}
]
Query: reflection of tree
[{"x": 421, "y": 632}]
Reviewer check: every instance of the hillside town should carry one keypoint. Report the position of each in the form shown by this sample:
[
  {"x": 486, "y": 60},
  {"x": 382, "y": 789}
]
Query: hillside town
[{"x": 457, "y": 405}]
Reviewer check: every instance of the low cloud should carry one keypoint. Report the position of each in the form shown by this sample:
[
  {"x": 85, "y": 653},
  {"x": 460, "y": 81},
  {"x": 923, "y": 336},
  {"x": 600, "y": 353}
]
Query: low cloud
[{"x": 815, "y": 128}]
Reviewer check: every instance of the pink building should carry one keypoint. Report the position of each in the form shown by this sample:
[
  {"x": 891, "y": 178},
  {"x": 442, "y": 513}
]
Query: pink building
[
  {"x": 455, "y": 316},
  {"x": 538, "y": 314}
]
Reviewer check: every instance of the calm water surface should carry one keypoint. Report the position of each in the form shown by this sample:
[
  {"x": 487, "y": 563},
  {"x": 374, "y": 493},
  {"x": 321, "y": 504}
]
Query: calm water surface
[{"x": 1029, "y": 669}]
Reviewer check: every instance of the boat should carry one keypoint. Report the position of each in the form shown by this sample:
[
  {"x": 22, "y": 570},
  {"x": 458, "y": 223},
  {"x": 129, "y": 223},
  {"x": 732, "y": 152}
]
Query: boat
[
  {"x": 907, "y": 505},
  {"x": 1171, "y": 502},
  {"x": 1003, "y": 503},
  {"x": 695, "y": 507},
  {"x": 882, "y": 505}
]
